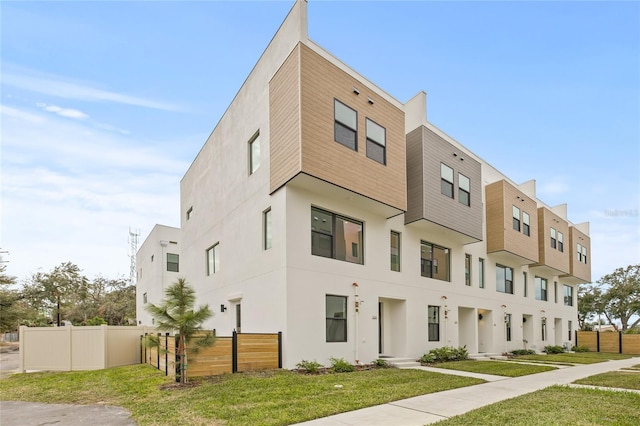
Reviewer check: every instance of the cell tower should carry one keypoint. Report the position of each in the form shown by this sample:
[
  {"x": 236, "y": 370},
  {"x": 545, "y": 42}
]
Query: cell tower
[{"x": 133, "y": 249}]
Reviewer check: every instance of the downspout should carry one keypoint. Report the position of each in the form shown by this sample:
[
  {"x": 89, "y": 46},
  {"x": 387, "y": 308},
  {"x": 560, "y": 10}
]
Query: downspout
[{"x": 357, "y": 310}]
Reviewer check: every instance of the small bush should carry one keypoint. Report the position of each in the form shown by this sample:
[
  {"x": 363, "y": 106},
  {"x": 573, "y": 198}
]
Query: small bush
[
  {"x": 580, "y": 349},
  {"x": 340, "y": 365},
  {"x": 553, "y": 349},
  {"x": 380, "y": 363},
  {"x": 311, "y": 367},
  {"x": 518, "y": 352},
  {"x": 444, "y": 354}
]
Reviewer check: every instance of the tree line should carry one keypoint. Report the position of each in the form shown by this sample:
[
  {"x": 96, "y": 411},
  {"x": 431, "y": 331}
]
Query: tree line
[{"x": 65, "y": 294}]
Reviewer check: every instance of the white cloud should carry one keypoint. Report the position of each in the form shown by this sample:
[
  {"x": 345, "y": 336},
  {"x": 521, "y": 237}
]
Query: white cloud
[
  {"x": 63, "y": 112},
  {"x": 57, "y": 86}
]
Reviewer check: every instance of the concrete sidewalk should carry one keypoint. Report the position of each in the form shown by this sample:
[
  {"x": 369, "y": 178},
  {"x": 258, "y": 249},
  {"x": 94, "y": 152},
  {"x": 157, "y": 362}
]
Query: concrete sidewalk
[{"x": 425, "y": 409}]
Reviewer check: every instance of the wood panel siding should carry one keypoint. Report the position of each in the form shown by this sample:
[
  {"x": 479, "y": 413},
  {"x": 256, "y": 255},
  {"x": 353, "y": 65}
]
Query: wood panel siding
[
  {"x": 547, "y": 255},
  {"x": 588, "y": 339},
  {"x": 284, "y": 121},
  {"x": 257, "y": 352},
  {"x": 610, "y": 342},
  {"x": 631, "y": 344},
  {"x": 500, "y": 197},
  {"x": 579, "y": 271},
  {"x": 425, "y": 177},
  {"x": 326, "y": 159},
  {"x": 214, "y": 360}
]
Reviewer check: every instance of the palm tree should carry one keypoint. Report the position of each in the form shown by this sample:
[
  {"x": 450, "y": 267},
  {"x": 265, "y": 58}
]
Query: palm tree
[{"x": 176, "y": 313}]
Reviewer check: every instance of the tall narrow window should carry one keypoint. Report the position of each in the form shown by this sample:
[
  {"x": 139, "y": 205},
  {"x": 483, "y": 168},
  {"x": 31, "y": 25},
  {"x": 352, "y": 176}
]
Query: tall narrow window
[
  {"x": 467, "y": 269},
  {"x": 213, "y": 259},
  {"x": 266, "y": 226},
  {"x": 173, "y": 263},
  {"x": 434, "y": 323},
  {"x": 553, "y": 238},
  {"x": 555, "y": 292},
  {"x": 434, "y": 261},
  {"x": 516, "y": 218},
  {"x": 507, "y": 326},
  {"x": 464, "y": 190},
  {"x": 525, "y": 292},
  {"x": 541, "y": 289},
  {"x": 543, "y": 323},
  {"x": 579, "y": 252},
  {"x": 395, "y": 251},
  {"x": 446, "y": 180},
  {"x": 345, "y": 129},
  {"x": 336, "y": 318},
  {"x": 560, "y": 242},
  {"x": 570, "y": 330},
  {"x": 144, "y": 298},
  {"x": 526, "y": 229},
  {"x": 238, "y": 318},
  {"x": 335, "y": 236},
  {"x": 504, "y": 279},
  {"x": 584, "y": 254},
  {"x": 568, "y": 295},
  {"x": 254, "y": 153},
  {"x": 376, "y": 142},
  {"x": 189, "y": 212},
  {"x": 481, "y": 273}
]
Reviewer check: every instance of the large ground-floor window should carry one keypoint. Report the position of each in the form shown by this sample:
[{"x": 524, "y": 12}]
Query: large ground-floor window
[
  {"x": 336, "y": 318},
  {"x": 434, "y": 323}
]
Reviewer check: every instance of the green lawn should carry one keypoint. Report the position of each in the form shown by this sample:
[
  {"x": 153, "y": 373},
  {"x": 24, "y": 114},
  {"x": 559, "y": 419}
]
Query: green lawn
[
  {"x": 558, "y": 406},
  {"x": 269, "y": 398},
  {"x": 573, "y": 358},
  {"x": 615, "y": 379},
  {"x": 497, "y": 368}
]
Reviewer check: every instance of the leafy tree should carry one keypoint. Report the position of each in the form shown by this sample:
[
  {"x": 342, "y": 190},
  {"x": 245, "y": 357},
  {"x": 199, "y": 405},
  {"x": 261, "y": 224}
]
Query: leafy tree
[
  {"x": 589, "y": 305},
  {"x": 118, "y": 305},
  {"x": 176, "y": 313},
  {"x": 621, "y": 296}
]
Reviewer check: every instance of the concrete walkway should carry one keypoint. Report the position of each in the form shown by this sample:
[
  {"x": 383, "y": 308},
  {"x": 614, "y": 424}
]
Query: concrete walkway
[{"x": 425, "y": 409}]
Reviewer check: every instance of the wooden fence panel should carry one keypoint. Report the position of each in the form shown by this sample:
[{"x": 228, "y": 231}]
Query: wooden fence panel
[
  {"x": 213, "y": 360},
  {"x": 631, "y": 344},
  {"x": 257, "y": 352},
  {"x": 610, "y": 342},
  {"x": 588, "y": 339}
]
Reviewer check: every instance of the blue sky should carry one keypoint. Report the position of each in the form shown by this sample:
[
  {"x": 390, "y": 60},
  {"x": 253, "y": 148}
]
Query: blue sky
[{"x": 105, "y": 104}]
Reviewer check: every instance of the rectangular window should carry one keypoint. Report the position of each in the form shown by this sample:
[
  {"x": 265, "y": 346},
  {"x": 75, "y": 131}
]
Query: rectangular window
[
  {"x": 504, "y": 279},
  {"x": 144, "y": 298},
  {"x": 395, "y": 251},
  {"x": 434, "y": 323},
  {"x": 254, "y": 153},
  {"x": 525, "y": 292},
  {"x": 526, "y": 229},
  {"x": 555, "y": 292},
  {"x": 553, "y": 238},
  {"x": 516, "y": 218},
  {"x": 172, "y": 262},
  {"x": 332, "y": 235},
  {"x": 584, "y": 255},
  {"x": 434, "y": 261},
  {"x": 560, "y": 242},
  {"x": 507, "y": 325},
  {"x": 467, "y": 269},
  {"x": 568, "y": 295},
  {"x": 336, "y": 318},
  {"x": 579, "y": 252},
  {"x": 481, "y": 273},
  {"x": 446, "y": 180},
  {"x": 541, "y": 289},
  {"x": 570, "y": 330},
  {"x": 189, "y": 212},
  {"x": 213, "y": 259},
  {"x": 376, "y": 142},
  {"x": 345, "y": 129},
  {"x": 238, "y": 318},
  {"x": 266, "y": 229},
  {"x": 464, "y": 190},
  {"x": 543, "y": 323}
]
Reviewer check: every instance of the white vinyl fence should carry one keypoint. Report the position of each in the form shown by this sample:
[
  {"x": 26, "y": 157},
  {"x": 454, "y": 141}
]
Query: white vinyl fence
[{"x": 79, "y": 348}]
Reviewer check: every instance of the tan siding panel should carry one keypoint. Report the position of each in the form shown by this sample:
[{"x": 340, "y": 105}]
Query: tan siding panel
[
  {"x": 631, "y": 344},
  {"x": 610, "y": 342},
  {"x": 578, "y": 269},
  {"x": 549, "y": 256},
  {"x": 588, "y": 339}
]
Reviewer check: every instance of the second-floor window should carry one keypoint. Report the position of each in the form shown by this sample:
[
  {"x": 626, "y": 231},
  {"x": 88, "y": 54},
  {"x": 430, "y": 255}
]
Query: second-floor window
[
  {"x": 336, "y": 236},
  {"x": 173, "y": 263},
  {"x": 464, "y": 190},
  {"x": 560, "y": 242},
  {"x": 467, "y": 269},
  {"x": 516, "y": 218},
  {"x": 266, "y": 229},
  {"x": 376, "y": 142},
  {"x": 553, "y": 238},
  {"x": 581, "y": 252},
  {"x": 526, "y": 229},
  {"x": 434, "y": 261},
  {"x": 395, "y": 251},
  {"x": 541, "y": 289},
  {"x": 345, "y": 127},
  {"x": 254, "y": 153},
  {"x": 504, "y": 279},
  {"x": 446, "y": 180},
  {"x": 213, "y": 259}
]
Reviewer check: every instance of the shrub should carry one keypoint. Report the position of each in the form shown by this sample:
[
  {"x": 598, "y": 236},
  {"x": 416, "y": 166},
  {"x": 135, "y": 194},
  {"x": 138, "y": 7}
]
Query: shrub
[
  {"x": 311, "y": 367},
  {"x": 380, "y": 363},
  {"x": 553, "y": 349},
  {"x": 340, "y": 365},
  {"x": 444, "y": 354},
  {"x": 580, "y": 349},
  {"x": 517, "y": 352}
]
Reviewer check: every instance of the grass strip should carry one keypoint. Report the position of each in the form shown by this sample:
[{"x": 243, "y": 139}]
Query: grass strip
[
  {"x": 498, "y": 368},
  {"x": 614, "y": 379}
]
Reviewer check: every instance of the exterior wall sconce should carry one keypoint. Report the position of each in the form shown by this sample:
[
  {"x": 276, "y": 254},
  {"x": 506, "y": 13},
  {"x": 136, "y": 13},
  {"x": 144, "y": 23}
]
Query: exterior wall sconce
[
  {"x": 480, "y": 316},
  {"x": 223, "y": 308}
]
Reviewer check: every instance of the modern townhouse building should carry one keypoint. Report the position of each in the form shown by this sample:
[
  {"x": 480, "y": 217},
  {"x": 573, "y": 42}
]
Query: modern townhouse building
[{"x": 322, "y": 207}]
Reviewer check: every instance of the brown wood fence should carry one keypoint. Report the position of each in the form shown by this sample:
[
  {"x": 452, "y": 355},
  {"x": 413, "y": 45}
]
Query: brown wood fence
[
  {"x": 239, "y": 353},
  {"x": 609, "y": 341}
]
